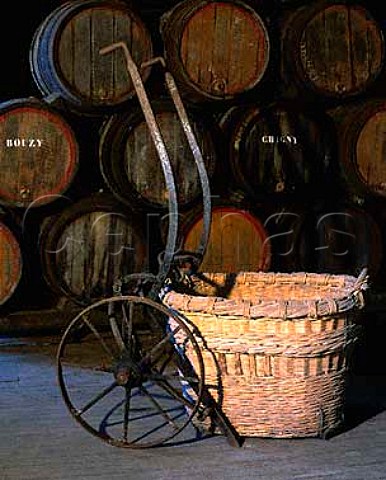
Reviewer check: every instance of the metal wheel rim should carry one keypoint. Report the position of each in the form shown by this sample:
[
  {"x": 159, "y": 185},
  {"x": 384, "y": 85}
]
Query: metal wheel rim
[{"x": 78, "y": 319}]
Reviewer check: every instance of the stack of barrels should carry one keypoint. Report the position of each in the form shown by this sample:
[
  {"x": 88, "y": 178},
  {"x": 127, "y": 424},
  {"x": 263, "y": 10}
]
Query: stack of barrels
[{"x": 287, "y": 105}]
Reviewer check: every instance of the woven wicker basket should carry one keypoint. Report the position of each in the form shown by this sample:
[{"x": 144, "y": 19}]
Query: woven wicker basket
[{"x": 276, "y": 347}]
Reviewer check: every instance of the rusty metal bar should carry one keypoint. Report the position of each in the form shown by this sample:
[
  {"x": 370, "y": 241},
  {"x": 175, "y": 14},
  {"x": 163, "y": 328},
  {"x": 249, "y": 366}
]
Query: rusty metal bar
[{"x": 164, "y": 159}]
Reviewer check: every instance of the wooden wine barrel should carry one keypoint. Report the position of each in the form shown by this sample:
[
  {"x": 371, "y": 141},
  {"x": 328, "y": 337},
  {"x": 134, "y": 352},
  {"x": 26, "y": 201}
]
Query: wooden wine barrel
[
  {"x": 39, "y": 154},
  {"x": 334, "y": 49},
  {"x": 362, "y": 145},
  {"x": 131, "y": 166},
  {"x": 11, "y": 263},
  {"x": 65, "y": 58},
  {"x": 86, "y": 247},
  {"x": 238, "y": 241},
  {"x": 215, "y": 50},
  {"x": 281, "y": 148}
]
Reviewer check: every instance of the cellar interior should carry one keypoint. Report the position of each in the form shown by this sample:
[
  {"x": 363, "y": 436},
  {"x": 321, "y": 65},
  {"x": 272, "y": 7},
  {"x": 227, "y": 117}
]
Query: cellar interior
[
  {"x": 280, "y": 148},
  {"x": 161, "y": 330},
  {"x": 295, "y": 160}
]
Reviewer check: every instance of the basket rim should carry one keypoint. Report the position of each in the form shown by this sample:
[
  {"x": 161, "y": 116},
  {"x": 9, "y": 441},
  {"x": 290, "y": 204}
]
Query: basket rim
[{"x": 286, "y": 308}]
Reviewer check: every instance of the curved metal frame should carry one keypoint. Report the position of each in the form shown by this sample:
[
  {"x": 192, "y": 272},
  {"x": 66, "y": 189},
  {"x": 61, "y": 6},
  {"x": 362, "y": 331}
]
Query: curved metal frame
[
  {"x": 170, "y": 248},
  {"x": 130, "y": 371}
]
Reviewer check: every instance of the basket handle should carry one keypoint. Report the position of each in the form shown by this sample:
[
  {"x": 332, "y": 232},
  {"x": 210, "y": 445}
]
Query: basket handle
[
  {"x": 362, "y": 280},
  {"x": 360, "y": 285}
]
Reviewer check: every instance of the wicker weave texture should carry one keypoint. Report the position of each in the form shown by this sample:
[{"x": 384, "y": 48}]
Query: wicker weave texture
[
  {"x": 274, "y": 371},
  {"x": 261, "y": 294},
  {"x": 284, "y": 407}
]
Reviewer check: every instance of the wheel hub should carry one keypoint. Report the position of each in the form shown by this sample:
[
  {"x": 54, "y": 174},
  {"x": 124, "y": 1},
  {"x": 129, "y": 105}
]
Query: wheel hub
[
  {"x": 122, "y": 376},
  {"x": 126, "y": 371}
]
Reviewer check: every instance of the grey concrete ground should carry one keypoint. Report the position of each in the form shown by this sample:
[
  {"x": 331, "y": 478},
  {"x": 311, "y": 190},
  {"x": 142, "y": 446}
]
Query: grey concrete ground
[{"x": 39, "y": 440}]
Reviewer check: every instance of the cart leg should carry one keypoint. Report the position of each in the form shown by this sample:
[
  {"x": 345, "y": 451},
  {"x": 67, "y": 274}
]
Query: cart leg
[{"x": 222, "y": 421}]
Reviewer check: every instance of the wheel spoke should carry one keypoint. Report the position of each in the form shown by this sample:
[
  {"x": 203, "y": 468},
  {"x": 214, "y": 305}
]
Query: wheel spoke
[
  {"x": 173, "y": 391},
  {"x": 96, "y": 399},
  {"x": 127, "y": 326},
  {"x": 160, "y": 345},
  {"x": 157, "y": 358},
  {"x": 99, "y": 337},
  {"x": 104, "y": 368},
  {"x": 160, "y": 377},
  {"x": 155, "y": 320},
  {"x": 116, "y": 333},
  {"x": 163, "y": 412},
  {"x": 165, "y": 363},
  {"x": 185, "y": 366}
]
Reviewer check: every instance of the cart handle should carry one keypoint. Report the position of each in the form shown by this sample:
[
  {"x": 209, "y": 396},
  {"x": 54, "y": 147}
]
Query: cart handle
[{"x": 164, "y": 158}]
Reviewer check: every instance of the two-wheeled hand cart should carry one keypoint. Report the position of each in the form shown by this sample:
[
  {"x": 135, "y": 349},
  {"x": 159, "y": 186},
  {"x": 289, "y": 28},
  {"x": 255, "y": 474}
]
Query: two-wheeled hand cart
[{"x": 128, "y": 379}]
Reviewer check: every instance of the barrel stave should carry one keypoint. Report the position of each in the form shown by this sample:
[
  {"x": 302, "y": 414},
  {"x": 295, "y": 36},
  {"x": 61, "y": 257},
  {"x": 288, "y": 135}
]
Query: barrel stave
[
  {"x": 216, "y": 66},
  {"x": 237, "y": 242},
  {"x": 89, "y": 245},
  {"x": 65, "y": 54}
]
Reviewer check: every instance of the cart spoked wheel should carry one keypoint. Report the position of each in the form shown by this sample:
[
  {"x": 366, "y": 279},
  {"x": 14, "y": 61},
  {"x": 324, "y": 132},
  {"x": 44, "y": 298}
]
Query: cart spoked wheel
[{"x": 125, "y": 378}]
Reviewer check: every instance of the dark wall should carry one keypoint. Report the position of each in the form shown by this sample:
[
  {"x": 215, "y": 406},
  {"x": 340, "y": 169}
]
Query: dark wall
[{"x": 17, "y": 27}]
